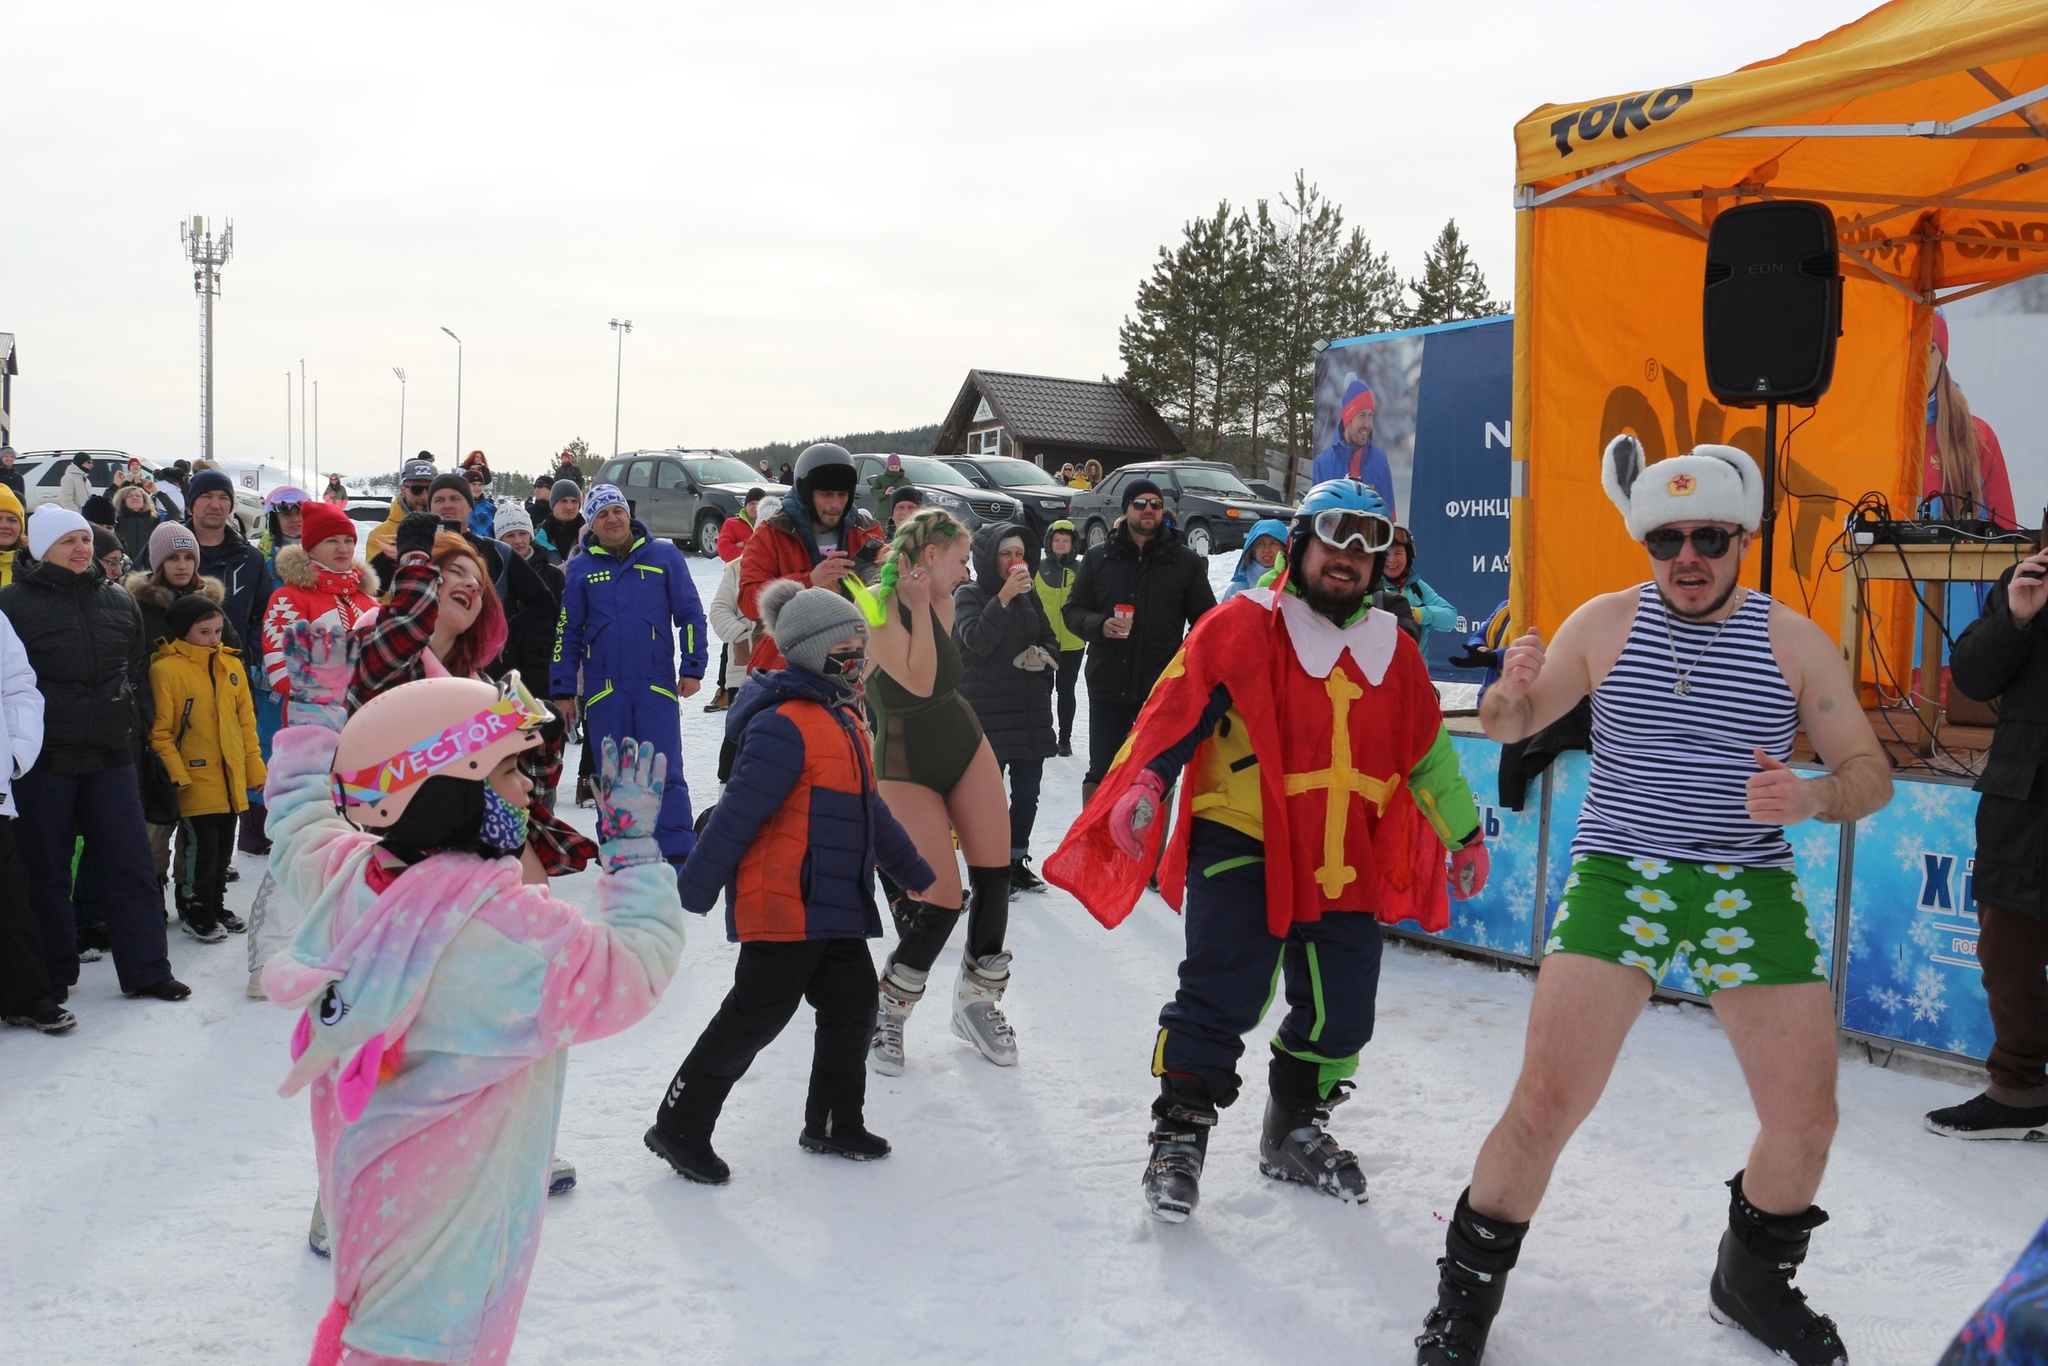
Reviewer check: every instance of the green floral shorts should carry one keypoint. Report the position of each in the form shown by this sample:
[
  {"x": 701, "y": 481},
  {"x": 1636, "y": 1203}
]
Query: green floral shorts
[{"x": 1728, "y": 925}]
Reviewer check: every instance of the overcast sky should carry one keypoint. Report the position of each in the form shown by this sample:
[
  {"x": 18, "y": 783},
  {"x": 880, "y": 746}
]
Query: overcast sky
[{"x": 818, "y": 216}]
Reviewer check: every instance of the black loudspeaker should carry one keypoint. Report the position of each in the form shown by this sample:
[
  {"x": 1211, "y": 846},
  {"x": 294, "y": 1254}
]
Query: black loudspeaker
[{"x": 1773, "y": 305}]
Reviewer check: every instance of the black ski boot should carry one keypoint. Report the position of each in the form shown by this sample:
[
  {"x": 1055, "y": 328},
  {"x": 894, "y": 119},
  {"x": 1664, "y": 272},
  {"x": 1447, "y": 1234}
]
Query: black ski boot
[
  {"x": 1753, "y": 1290},
  {"x": 681, "y": 1135},
  {"x": 1472, "y": 1275},
  {"x": 1294, "y": 1146},
  {"x": 1181, "y": 1120}
]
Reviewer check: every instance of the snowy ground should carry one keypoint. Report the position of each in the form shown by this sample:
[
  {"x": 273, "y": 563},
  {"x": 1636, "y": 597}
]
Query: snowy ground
[{"x": 158, "y": 1192}]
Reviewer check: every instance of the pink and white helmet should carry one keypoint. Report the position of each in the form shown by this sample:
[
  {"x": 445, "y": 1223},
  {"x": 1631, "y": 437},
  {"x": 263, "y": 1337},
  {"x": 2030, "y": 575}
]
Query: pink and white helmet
[{"x": 453, "y": 727}]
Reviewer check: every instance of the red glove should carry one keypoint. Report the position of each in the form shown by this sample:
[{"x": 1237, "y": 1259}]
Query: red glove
[
  {"x": 1469, "y": 867},
  {"x": 1135, "y": 811}
]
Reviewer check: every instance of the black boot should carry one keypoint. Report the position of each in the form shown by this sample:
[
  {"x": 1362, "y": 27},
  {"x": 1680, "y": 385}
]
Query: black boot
[
  {"x": 840, "y": 1133},
  {"x": 1181, "y": 1120},
  {"x": 1472, "y": 1275},
  {"x": 1022, "y": 879},
  {"x": 1294, "y": 1146},
  {"x": 681, "y": 1135},
  {"x": 1753, "y": 1290}
]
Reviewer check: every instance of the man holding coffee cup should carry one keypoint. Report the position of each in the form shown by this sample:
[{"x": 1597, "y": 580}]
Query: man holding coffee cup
[{"x": 1133, "y": 601}]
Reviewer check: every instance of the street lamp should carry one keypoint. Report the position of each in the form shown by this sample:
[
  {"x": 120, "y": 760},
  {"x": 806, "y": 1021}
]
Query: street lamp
[
  {"x": 458, "y": 395},
  {"x": 396, "y": 370},
  {"x": 618, "y": 375}
]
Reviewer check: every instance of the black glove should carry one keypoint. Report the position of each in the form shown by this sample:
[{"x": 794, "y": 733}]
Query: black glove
[
  {"x": 1475, "y": 658},
  {"x": 416, "y": 532}
]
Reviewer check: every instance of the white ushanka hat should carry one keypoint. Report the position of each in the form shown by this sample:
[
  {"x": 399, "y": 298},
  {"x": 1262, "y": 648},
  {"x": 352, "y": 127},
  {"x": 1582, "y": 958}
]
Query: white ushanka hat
[{"x": 1711, "y": 484}]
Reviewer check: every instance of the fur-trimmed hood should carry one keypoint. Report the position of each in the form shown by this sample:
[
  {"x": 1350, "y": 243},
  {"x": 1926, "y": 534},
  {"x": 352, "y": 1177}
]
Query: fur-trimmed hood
[
  {"x": 298, "y": 569},
  {"x": 152, "y": 592}
]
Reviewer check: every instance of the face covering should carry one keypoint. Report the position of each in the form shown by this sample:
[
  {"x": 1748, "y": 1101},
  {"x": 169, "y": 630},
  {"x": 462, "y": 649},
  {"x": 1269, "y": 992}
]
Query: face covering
[
  {"x": 845, "y": 665},
  {"x": 504, "y": 824}
]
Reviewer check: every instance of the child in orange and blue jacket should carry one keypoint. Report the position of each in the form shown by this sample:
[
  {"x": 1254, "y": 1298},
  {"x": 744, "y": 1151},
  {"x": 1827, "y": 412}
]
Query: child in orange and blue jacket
[
  {"x": 205, "y": 733},
  {"x": 793, "y": 842}
]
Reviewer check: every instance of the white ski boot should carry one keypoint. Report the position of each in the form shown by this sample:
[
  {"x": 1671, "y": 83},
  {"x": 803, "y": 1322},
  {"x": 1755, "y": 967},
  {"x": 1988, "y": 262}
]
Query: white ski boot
[
  {"x": 316, "y": 1233},
  {"x": 977, "y": 1008},
  {"x": 901, "y": 989}
]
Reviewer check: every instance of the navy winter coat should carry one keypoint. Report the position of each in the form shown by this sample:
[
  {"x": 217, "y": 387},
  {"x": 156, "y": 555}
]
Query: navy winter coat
[
  {"x": 797, "y": 833},
  {"x": 620, "y": 615}
]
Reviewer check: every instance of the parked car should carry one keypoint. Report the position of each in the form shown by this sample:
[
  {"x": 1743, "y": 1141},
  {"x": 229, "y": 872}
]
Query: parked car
[
  {"x": 942, "y": 486},
  {"x": 367, "y": 511},
  {"x": 1270, "y": 492},
  {"x": 1045, "y": 499},
  {"x": 684, "y": 495},
  {"x": 42, "y": 472},
  {"x": 1212, "y": 506}
]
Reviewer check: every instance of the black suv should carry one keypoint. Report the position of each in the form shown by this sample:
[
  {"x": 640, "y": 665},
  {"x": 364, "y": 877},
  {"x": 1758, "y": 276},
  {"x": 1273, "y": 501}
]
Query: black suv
[
  {"x": 942, "y": 487},
  {"x": 1212, "y": 506},
  {"x": 1046, "y": 500},
  {"x": 684, "y": 495}
]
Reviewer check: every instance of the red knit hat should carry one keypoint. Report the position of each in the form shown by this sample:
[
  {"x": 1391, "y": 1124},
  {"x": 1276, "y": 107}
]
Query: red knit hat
[
  {"x": 1941, "y": 334},
  {"x": 318, "y": 521}
]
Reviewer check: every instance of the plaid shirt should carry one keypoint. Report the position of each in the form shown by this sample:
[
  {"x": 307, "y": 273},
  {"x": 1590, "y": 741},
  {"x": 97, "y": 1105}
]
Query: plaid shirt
[{"x": 396, "y": 652}]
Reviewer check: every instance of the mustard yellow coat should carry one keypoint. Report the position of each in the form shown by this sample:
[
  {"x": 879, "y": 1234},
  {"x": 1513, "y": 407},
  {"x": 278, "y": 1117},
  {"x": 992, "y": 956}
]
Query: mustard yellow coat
[{"x": 217, "y": 758}]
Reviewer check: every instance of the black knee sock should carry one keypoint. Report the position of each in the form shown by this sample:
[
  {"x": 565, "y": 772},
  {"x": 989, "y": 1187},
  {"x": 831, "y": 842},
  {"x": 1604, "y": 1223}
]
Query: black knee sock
[
  {"x": 988, "y": 916},
  {"x": 927, "y": 929}
]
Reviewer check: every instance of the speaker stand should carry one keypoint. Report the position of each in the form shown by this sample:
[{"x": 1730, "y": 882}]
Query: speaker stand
[{"x": 1770, "y": 494}]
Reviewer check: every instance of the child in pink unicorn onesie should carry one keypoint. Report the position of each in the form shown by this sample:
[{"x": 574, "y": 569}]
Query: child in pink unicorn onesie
[{"x": 438, "y": 996}]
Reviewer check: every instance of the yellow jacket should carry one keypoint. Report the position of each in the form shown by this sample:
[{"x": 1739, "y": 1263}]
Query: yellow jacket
[
  {"x": 383, "y": 535},
  {"x": 9, "y": 503},
  {"x": 205, "y": 729}
]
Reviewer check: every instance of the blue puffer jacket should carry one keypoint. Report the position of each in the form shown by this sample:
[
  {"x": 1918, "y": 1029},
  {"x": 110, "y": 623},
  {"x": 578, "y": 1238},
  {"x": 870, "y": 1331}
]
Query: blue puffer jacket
[
  {"x": 619, "y": 614},
  {"x": 1248, "y": 571},
  {"x": 797, "y": 832}
]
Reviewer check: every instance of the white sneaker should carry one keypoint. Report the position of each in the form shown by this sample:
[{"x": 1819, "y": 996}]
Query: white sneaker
[
  {"x": 977, "y": 1010},
  {"x": 901, "y": 989},
  {"x": 256, "y": 992}
]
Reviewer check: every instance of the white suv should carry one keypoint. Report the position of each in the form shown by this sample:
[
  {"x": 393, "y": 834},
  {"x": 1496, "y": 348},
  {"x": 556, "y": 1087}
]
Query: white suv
[{"x": 42, "y": 473}]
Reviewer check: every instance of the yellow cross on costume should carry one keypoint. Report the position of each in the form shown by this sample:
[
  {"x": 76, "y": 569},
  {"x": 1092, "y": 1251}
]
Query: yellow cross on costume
[{"x": 1338, "y": 782}]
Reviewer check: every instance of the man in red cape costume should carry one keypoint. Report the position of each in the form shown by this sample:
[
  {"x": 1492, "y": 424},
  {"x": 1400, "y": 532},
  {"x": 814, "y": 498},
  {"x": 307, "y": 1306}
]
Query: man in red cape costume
[{"x": 1321, "y": 795}]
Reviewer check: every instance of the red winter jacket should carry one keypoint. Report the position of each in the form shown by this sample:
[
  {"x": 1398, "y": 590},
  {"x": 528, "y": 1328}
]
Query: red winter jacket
[
  {"x": 733, "y": 536},
  {"x": 780, "y": 548},
  {"x": 312, "y": 593}
]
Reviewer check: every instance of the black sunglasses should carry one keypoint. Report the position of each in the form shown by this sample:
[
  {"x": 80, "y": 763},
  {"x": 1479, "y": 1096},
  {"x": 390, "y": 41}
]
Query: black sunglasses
[
  {"x": 1666, "y": 541},
  {"x": 1144, "y": 503}
]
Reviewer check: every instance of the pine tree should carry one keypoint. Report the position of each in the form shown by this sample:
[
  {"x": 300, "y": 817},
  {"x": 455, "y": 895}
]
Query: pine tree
[
  {"x": 1182, "y": 347},
  {"x": 1451, "y": 287}
]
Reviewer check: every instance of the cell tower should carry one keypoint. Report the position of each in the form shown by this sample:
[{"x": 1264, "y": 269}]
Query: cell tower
[{"x": 207, "y": 255}]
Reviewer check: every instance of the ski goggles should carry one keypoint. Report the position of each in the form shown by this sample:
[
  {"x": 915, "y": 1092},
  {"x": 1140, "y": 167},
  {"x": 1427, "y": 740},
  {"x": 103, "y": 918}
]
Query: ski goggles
[
  {"x": 1665, "y": 542},
  {"x": 1362, "y": 531}
]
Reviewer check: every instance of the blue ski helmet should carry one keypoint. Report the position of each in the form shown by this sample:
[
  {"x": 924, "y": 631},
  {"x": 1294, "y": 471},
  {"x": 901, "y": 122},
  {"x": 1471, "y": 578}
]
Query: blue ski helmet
[{"x": 1337, "y": 495}]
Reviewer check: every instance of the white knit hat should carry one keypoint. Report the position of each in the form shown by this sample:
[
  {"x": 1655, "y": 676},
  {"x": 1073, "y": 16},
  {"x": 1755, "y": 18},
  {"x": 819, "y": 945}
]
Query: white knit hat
[
  {"x": 511, "y": 517},
  {"x": 1711, "y": 484},
  {"x": 48, "y": 523}
]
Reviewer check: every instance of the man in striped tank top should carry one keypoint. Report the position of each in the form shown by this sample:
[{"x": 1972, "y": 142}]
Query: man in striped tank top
[{"x": 1698, "y": 688}]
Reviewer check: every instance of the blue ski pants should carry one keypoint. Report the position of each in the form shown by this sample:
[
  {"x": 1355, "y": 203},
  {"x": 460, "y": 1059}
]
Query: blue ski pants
[{"x": 1235, "y": 966}]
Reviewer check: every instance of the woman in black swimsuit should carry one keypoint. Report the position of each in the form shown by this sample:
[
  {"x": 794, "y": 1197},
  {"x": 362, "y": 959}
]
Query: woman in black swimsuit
[{"x": 939, "y": 777}]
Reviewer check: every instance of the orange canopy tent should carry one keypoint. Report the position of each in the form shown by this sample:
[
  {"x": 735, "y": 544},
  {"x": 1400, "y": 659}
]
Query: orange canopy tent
[{"x": 1920, "y": 125}]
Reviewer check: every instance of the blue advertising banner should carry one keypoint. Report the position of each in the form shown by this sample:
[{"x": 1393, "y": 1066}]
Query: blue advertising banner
[
  {"x": 1438, "y": 427},
  {"x": 1816, "y": 846},
  {"x": 1499, "y": 918},
  {"x": 1912, "y": 972}
]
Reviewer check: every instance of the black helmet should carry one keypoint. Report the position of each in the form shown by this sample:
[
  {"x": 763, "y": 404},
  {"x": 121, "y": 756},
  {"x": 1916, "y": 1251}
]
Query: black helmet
[{"x": 824, "y": 466}]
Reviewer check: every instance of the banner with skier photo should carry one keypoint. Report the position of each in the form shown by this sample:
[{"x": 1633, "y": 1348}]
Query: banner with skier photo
[{"x": 1423, "y": 417}]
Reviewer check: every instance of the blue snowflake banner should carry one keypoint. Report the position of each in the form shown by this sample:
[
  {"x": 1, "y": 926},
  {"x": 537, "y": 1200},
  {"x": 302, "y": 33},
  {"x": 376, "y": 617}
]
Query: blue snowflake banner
[
  {"x": 1912, "y": 972},
  {"x": 1499, "y": 918}
]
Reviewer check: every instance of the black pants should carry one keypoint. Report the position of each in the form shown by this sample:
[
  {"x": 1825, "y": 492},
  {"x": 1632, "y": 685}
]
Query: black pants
[
  {"x": 106, "y": 807},
  {"x": 837, "y": 976},
  {"x": 2012, "y": 951},
  {"x": 213, "y": 849},
  {"x": 1110, "y": 723},
  {"x": 1026, "y": 777},
  {"x": 1066, "y": 680},
  {"x": 24, "y": 979}
]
